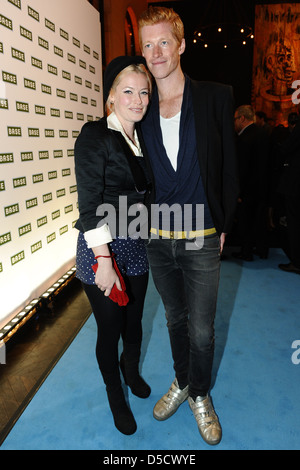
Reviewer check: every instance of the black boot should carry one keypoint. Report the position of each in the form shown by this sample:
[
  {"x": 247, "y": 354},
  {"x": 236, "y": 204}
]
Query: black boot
[
  {"x": 123, "y": 417},
  {"x": 129, "y": 364}
]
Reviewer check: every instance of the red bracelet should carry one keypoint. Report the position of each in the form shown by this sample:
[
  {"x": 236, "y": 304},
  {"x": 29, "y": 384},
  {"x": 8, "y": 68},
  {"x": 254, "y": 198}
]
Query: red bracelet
[{"x": 105, "y": 256}]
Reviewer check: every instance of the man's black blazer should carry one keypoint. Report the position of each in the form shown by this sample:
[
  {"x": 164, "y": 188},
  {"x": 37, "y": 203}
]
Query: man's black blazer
[{"x": 216, "y": 146}]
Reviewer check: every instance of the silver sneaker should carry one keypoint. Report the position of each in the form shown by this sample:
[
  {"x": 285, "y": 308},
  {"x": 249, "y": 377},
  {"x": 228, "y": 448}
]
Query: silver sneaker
[
  {"x": 207, "y": 420},
  {"x": 170, "y": 402}
]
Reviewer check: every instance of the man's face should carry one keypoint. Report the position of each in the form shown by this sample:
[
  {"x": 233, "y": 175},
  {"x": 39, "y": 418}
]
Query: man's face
[
  {"x": 238, "y": 123},
  {"x": 161, "y": 49}
]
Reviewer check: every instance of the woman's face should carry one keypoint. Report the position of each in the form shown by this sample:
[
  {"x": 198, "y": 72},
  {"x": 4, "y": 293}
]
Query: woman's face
[{"x": 130, "y": 97}]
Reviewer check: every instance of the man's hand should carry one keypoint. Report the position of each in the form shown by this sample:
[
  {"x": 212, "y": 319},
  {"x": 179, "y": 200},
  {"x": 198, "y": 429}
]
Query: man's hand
[{"x": 222, "y": 241}]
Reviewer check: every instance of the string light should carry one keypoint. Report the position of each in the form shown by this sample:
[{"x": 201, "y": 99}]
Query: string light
[{"x": 223, "y": 34}]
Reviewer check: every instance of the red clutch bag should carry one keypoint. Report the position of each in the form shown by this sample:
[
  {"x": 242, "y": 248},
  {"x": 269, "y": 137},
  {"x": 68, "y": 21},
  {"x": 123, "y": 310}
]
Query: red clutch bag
[{"x": 116, "y": 295}]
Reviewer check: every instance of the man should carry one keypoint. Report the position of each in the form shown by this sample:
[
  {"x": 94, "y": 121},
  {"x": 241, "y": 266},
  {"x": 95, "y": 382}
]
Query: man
[
  {"x": 190, "y": 151},
  {"x": 253, "y": 152}
]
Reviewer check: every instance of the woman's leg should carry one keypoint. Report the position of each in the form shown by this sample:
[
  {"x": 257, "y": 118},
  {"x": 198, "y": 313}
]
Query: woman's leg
[
  {"x": 109, "y": 317},
  {"x": 132, "y": 335},
  {"x": 136, "y": 287}
]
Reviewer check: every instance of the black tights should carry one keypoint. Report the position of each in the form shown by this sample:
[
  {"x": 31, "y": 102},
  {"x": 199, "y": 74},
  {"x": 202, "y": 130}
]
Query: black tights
[{"x": 114, "y": 322}]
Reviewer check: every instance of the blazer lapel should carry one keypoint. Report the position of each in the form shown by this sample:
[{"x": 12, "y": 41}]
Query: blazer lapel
[
  {"x": 201, "y": 112},
  {"x": 136, "y": 169}
]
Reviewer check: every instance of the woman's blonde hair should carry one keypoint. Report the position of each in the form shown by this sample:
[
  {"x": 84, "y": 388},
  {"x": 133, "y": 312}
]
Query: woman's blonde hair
[
  {"x": 137, "y": 68},
  {"x": 155, "y": 15}
]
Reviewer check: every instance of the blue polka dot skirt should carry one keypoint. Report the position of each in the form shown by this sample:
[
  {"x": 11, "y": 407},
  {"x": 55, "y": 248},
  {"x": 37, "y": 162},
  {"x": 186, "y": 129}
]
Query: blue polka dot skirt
[{"x": 130, "y": 256}]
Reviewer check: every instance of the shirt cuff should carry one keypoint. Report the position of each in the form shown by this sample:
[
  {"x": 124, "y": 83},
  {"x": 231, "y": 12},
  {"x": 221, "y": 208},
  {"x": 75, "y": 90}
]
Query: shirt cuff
[{"x": 98, "y": 236}]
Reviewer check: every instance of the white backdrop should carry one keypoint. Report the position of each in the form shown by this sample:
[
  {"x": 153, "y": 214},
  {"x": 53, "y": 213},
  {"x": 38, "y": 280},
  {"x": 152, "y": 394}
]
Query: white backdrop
[{"x": 50, "y": 84}]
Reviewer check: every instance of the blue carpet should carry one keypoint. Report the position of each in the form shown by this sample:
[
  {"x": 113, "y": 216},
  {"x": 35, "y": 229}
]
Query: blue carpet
[{"x": 255, "y": 383}]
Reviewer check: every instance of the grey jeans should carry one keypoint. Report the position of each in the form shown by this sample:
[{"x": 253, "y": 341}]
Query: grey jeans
[{"x": 187, "y": 281}]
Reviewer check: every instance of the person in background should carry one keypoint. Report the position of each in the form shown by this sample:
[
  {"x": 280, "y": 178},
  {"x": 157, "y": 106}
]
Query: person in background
[
  {"x": 277, "y": 215},
  {"x": 252, "y": 214},
  {"x": 262, "y": 121},
  {"x": 190, "y": 150},
  {"x": 114, "y": 269}
]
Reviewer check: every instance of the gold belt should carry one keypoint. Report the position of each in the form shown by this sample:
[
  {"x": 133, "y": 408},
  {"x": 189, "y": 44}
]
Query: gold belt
[{"x": 179, "y": 235}]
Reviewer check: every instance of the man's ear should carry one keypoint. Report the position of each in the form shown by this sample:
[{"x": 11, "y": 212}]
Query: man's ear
[{"x": 182, "y": 47}]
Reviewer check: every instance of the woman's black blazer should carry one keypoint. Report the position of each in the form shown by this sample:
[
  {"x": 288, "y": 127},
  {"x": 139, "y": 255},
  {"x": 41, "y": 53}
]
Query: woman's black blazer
[{"x": 105, "y": 169}]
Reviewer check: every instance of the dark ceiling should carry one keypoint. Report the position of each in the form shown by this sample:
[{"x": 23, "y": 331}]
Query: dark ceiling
[{"x": 232, "y": 65}]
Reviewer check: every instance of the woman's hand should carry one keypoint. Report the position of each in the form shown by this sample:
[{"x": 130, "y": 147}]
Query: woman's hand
[{"x": 106, "y": 276}]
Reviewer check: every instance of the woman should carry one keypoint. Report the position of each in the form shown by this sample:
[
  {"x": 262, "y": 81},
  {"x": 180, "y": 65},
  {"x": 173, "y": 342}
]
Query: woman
[{"x": 109, "y": 164}]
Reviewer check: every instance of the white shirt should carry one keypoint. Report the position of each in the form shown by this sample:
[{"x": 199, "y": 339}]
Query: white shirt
[
  {"x": 102, "y": 235},
  {"x": 170, "y": 135}
]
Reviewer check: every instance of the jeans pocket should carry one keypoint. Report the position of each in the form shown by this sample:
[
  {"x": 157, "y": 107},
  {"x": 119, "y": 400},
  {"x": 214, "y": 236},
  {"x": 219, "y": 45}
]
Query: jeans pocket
[{"x": 212, "y": 244}]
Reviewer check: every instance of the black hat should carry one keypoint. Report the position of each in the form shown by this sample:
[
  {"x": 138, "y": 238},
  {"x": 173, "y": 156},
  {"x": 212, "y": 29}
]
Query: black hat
[{"x": 115, "y": 67}]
